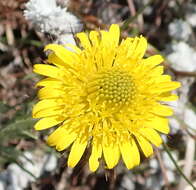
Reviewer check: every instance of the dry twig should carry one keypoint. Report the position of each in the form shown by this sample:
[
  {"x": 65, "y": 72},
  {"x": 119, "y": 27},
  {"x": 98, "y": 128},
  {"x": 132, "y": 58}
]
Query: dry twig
[
  {"x": 189, "y": 161},
  {"x": 163, "y": 169},
  {"x": 132, "y": 9}
]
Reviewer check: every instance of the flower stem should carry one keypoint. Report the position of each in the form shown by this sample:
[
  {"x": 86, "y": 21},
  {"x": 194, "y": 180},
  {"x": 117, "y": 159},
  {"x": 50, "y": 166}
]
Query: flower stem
[
  {"x": 177, "y": 167},
  {"x": 132, "y": 18}
]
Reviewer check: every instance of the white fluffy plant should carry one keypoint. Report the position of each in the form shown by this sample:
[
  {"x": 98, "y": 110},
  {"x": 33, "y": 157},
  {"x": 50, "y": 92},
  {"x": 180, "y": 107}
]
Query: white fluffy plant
[
  {"x": 47, "y": 17},
  {"x": 180, "y": 30}
]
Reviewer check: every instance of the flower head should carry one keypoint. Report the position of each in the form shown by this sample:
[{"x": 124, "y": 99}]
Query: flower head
[{"x": 104, "y": 96}]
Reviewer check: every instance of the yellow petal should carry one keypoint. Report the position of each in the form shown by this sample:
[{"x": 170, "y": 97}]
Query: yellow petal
[
  {"x": 130, "y": 153},
  {"x": 50, "y": 82},
  {"x": 51, "y": 111},
  {"x": 105, "y": 38},
  {"x": 151, "y": 135},
  {"x": 53, "y": 59},
  {"x": 166, "y": 86},
  {"x": 162, "y": 110},
  {"x": 45, "y": 104},
  {"x": 127, "y": 155},
  {"x": 48, "y": 92},
  {"x": 152, "y": 61},
  {"x": 156, "y": 72},
  {"x": 163, "y": 78},
  {"x": 48, "y": 70},
  {"x": 137, "y": 48},
  {"x": 145, "y": 145},
  {"x": 114, "y": 34},
  {"x": 141, "y": 47},
  {"x": 94, "y": 37},
  {"x": 62, "y": 53},
  {"x": 136, "y": 154},
  {"x": 76, "y": 153},
  {"x": 65, "y": 140},
  {"x": 167, "y": 97},
  {"x": 95, "y": 156},
  {"x": 61, "y": 138},
  {"x": 48, "y": 122},
  {"x": 84, "y": 40},
  {"x": 56, "y": 136},
  {"x": 159, "y": 123},
  {"x": 108, "y": 150},
  {"x": 132, "y": 45}
]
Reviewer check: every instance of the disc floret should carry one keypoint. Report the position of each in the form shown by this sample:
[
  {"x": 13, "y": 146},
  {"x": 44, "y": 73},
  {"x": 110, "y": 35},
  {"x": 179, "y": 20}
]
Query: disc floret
[{"x": 114, "y": 87}]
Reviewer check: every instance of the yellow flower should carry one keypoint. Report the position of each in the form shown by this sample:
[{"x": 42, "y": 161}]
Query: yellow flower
[{"x": 104, "y": 96}]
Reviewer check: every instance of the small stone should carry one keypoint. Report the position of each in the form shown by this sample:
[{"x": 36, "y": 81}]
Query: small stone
[
  {"x": 50, "y": 162},
  {"x": 191, "y": 14},
  {"x": 127, "y": 183},
  {"x": 190, "y": 118},
  {"x": 167, "y": 161},
  {"x": 154, "y": 182},
  {"x": 180, "y": 30},
  {"x": 183, "y": 57},
  {"x": 170, "y": 175},
  {"x": 175, "y": 125},
  {"x": 153, "y": 163}
]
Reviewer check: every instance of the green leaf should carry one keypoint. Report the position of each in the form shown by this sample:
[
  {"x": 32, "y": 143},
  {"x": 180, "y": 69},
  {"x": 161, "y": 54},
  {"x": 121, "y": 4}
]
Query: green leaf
[
  {"x": 3, "y": 107},
  {"x": 16, "y": 130}
]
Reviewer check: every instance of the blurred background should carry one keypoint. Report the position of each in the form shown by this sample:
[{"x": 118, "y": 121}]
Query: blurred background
[{"x": 26, "y": 162}]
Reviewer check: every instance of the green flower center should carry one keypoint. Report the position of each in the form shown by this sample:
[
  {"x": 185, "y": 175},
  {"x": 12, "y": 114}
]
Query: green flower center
[{"x": 115, "y": 87}]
